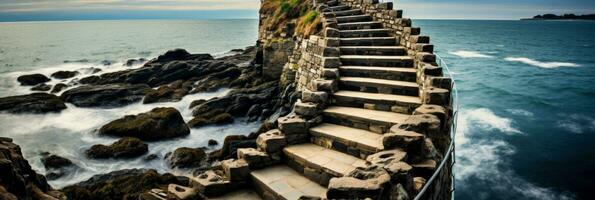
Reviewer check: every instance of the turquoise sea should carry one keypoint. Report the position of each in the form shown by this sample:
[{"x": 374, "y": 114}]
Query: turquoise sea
[{"x": 527, "y": 94}]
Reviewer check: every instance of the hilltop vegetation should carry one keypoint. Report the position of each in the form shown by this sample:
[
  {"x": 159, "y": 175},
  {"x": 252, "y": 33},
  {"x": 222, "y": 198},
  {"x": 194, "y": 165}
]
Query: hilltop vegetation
[{"x": 288, "y": 18}]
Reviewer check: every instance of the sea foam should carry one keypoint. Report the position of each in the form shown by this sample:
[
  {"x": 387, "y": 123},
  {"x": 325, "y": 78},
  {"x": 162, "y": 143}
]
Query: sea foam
[
  {"x": 536, "y": 63},
  {"x": 482, "y": 158},
  {"x": 470, "y": 54}
]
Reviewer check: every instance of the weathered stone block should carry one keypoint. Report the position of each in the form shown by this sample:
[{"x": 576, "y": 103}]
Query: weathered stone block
[
  {"x": 297, "y": 138},
  {"x": 306, "y": 109},
  {"x": 426, "y": 57},
  {"x": 438, "y": 96},
  {"x": 330, "y": 52},
  {"x": 314, "y": 97},
  {"x": 255, "y": 159},
  {"x": 236, "y": 170},
  {"x": 361, "y": 183},
  {"x": 418, "y": 184},
  {"x": 409, "y": 140},
  {"x": 425, "y": 124},
  {"x": 330, "y": 73},
  {"x": 385, "y": 6},
  {"x": 384, "y": 157},
  {"x": 210, "y": 183},
  {"x": 331, "y": 42},
  {"x": 326, "y": 85},
  {"x": 435, "y": 110},
  {"x": 271, "y": 141},
  {"x": 331, "y": 62},
  {"x": 432, "y": 70},
  {"x": 181, "y": 192},
  {"x": 292, "y": 125}
]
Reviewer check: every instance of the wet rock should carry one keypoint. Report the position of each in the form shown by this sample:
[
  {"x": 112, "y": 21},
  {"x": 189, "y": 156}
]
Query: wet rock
[
  {"x": 213, "y": 142},
  {"x": 64, "y": 74},
  {"x": 208, "y": 119},
  {"x": 107, "y": 62},
  {"x": 231, "y": 144},
  {"x": 19, "y": 181},
  {"x": 131, "y": 62},
  {"x": 58, "y": 87},
  {"x": 124, "y": 148},
  {"x": 56, "y": 166},
  {"x": 32, "y": 103},
  {"x": 89, "y": 80},
  {"x": 32, "y": 79},
  {"x": 181, "y": 54},
  {"x": 159, "y": 123},
  {"x": 196, "y": 103},
  {"x": 54, "y": 161},
  {"x": 41, "y": 87},
  {"x": 122, "y": 184},
  {"x": 168, "y": 93},
  {"x": 151, "y": 157},
  {"x": 111, "y": 95},
  {"x": 185, "y": 157}
]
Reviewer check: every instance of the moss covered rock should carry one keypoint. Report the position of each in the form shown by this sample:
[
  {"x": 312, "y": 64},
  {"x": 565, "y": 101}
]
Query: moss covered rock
[
  {"x": 185, "y": 157},
  {"x": 124, "y": 148},
  {"x": 159, "y": 123}
]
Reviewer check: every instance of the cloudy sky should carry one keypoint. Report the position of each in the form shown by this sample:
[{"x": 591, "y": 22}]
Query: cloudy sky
[{"x": 13, "y": 10}]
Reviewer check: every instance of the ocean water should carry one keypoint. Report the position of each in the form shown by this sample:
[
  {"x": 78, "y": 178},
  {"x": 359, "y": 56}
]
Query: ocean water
[
  {"x": 527, "y": 94},
  {"x": 526, "y": 125}
]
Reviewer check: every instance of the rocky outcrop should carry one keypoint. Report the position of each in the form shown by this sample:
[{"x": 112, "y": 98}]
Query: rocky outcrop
[
  {"x": 159, "y": 123},
  {"x": 64, "y": 74},
  {"x": 185, "y": 157},
  {"x": 167, "y": 93},
  {"x": 58, "y": 87},
  {"x": 122, "y": 184},
  {"x": 110, "y": 95},
  {"x": 32, "y": 79},
  {"x": 41, "y": 87},
  {"x": 56, "y": 166},
  {"x": 32, "y": 103},
  {"x": 18, "y": 180},
  {"x": 124, "y": 148}
]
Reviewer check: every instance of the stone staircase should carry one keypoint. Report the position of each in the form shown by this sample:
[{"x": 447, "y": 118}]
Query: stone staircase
[{"x": 334, "y": 142}]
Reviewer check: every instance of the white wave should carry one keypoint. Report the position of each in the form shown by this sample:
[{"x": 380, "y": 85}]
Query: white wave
[
  {"x": 483, "y": 160},
  {"x": 536, "y": 63},
  {"x": 576, "y": 123},
  {"x": 72, "y": 131},
  {"x": 470, "y": 54},
  {"x": 486, "y": 119},
  {"x": 520, "y": 112}
]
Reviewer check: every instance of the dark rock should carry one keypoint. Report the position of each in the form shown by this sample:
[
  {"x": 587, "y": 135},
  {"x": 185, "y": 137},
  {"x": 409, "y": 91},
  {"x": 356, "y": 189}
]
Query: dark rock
[
  {"x": 90, "y": 80},
  {"x": 209, "y": 119},
  {"x": 56, "y": 166},
  {"x": 168, "y": 93},
  {"x": 107, "y": 62},
  {"x": 131, "y": 62},
  {"x": 223, "y": 118},
  {"x": 123, "y": 184},
  {"x": 41, "y": 87},
  {"x": 185, "y": 157},
  {"x": 55, "y": 162},
  {"x": 196, "y": 103},
  {"x": 58, "y": 87},
  {"x": 159, "y": 123},
  {"x": 213, "y": 142},
  {"x": 151, "y": 157},
  {"x": 32, "y": 79},
  {"x": 32, "y": 103},
  {"x": 181, "y": 54},
  {"x": 124, "y": 148},
  {"x": 18, "y": 180},
  {"x": 231, "y": 143},
  {"x": 77, "y": 61},
  {"x": 64, "y": 74},
  {"x": 111, "y": 95}
]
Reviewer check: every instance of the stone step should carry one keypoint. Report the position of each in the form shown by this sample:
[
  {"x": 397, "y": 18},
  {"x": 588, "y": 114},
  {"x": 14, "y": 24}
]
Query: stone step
[
  {"x": 319, "y": 164},
  {"x": 374, "y": 85},
  {"x": 345, "y": 12},
  {"x": 339, "y": 8},
  {"x": 385, "y": 102},
  {"x": 354, "y": 18},
  {"x": 391, "y": 73},
  {"x": 374, "y": 60},
  {"x": 372, "y": 120},
  {"x": 379, "y": 32},
  {"x": 356, "y": 142},
  {"x": 244, "y": 194},
  {"x": 368, "y": 41},
  {"x": 359, "y": 25},
  {"x": 373, "y": 50},
  {"x": 282, "y": 182}
]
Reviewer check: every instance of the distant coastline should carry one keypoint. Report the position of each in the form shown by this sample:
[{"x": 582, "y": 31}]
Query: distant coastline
[{"x": 562, "y": 17}]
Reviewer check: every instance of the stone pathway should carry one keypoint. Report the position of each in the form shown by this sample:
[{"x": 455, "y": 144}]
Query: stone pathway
[
  {"x": 374, "y": 131},
  {"x": 377, "y": 90}
]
